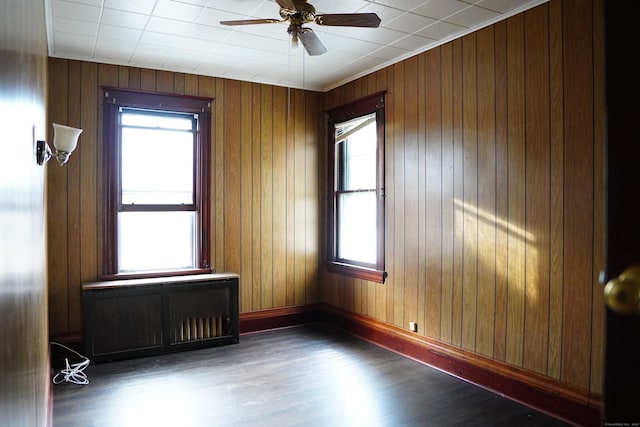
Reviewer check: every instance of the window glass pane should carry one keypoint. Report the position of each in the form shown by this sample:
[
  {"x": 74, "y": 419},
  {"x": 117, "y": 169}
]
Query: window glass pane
[
  {"x": 157, "y": 121},
  {"x": 156, "y": 240},
  {"x": 357, "y": 156},
  {"x": 357, "y": 227},
  {"x": 157, "y": 166}
]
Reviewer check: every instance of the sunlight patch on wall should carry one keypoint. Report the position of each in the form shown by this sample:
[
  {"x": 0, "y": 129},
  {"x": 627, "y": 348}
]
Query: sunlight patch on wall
[{"x": 521, "y": 248}]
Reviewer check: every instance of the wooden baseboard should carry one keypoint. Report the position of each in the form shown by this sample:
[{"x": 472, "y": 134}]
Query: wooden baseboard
[
  {"x": 561, "y": 400},
  {"x": 263, "y": 320}
]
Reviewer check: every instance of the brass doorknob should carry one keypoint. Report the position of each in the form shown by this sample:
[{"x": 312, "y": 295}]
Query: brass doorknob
[{"x": 622, "y": 294}]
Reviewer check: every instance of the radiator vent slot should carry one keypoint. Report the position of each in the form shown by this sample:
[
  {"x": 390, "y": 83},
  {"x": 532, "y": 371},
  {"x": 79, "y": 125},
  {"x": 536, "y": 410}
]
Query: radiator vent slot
[
  {"x": 200, "y": 315},
  {"x": 193, "y": 329}
]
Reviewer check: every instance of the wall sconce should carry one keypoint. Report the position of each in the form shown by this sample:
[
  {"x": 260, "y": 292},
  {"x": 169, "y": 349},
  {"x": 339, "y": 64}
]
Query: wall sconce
[{"x": 65, "y": 139}]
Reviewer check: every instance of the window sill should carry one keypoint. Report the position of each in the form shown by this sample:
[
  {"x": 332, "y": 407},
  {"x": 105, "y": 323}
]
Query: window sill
[
  {"x": 356, "y": 271},
  {"x": 153, "y": 274}
]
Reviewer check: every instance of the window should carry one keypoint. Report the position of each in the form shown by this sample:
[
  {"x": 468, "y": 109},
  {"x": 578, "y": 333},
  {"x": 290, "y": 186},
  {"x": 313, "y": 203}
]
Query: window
[
  {"x": 156, "y": 176},
  {"x": 356, "y": 175}
]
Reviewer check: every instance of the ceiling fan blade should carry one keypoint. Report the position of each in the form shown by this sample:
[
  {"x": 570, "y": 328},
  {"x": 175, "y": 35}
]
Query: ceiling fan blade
[
  {"x": 287, "y": 4},
  {"x": 251, "y": 21},
  {"x": 311, "y": 42},
  {"x": 349, "y": 20}
]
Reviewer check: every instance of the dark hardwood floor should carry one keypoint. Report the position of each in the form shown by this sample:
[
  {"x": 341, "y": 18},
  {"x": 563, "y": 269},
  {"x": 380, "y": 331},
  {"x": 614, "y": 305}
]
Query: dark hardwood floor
[{"x": 313, "y": 375}]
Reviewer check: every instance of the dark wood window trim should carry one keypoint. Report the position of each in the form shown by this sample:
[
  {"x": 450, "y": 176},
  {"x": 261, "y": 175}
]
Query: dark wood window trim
[
  {"x": 374, "y": 272},
  {"x": 113, "y": 99}
]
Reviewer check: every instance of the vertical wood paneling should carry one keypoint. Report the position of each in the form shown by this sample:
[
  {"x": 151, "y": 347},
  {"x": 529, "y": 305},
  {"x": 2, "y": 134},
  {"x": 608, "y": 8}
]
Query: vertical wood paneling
[
  {"x": 88, "y": 182},
  {"x": 421, "y": 95},
  {"x": 411, "y": 198},
  {"x": 147, "y": 79},
  {"x": 516, "y": 192},
  {"x": 578, "y": 196},
  {"x": 279, "y": 196},
  {"x": 448, "y": 218},
  {"x": 256, "y": 160},
  {"x": 266, "y": 199},
  {"x": 123, "y": 76},
  {"x": 178, "y": 83},
  {"x": 433, "y": 198},
  {"x": 315, "y": 159},
  {"x": 556, "y": 118},
  {"x": 390, "y": 195},
  {"x": 458, "y": 195},
  {"x": 502, "y": 197},
  {"x": 57, "y": 191},
  {"x": 73, "y": 203},
  {"x": 134, "y": 78},
  {"x": 232, "y": 173},
  {"x": 470, "y": 193},
  {"x": 246, "y": 201},
  {"x": 486, "y": 215},
  {"x": 536, "y": 331},
  {"x": 300, "y": 183},
  {"x": 215, "y": 89},
  {"x": 164, "y": 81},
  {"x": 398, "y": 189},
  {"x": 293, "y": 105}
]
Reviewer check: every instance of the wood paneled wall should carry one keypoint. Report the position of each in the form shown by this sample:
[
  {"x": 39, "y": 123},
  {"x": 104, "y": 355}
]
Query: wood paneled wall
[
  {"x": 495, "y": 193},
  {"x": 25, "y": 388},
  {"x": 264, "y": 181}
]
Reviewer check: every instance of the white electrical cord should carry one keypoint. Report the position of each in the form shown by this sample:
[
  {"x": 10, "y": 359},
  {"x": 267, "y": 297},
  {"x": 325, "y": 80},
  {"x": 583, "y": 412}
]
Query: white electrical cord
[{"x": 72, "y": 373}]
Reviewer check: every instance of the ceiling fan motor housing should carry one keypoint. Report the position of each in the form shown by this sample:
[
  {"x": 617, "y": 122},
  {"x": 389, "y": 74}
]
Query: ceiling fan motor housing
[{"x": 304, "y": 13}]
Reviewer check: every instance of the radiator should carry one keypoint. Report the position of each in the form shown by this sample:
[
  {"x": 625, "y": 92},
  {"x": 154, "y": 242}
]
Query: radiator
[{"x": 142, "y": 317}]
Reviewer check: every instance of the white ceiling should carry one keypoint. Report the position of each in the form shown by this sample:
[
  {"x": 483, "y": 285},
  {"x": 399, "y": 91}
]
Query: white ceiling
[{"x": 185, "y": 36}]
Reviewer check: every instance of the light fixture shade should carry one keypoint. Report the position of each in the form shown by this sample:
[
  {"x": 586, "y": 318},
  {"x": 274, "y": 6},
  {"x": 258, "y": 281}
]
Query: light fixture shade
[{"x": 65, "y": 138}]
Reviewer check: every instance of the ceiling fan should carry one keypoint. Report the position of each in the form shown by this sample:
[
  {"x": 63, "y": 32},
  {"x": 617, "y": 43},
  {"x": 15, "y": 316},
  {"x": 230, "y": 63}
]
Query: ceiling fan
[{"x": 299, "y": 12}]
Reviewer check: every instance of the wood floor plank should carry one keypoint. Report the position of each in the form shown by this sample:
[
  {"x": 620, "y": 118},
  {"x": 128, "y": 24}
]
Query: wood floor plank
[{"x": 312, "y": 375}]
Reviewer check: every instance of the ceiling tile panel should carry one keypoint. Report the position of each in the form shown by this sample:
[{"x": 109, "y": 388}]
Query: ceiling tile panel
[
  {"x": 144, "y": 7},
  {"x": 71, "y": 26},
  {"x": 241, "y": 7},
  {"x": 121, "y": 18},
  {"x": 440, "y": 9},
  {"x": 74, "y": 46},
  {"x": 76, "y": 11},
  {"x": 176, "y": 10},
  {"x": 168, "y": 26},
  {"x": 405, "y": 5},
  {"x": 160, "y": 39},
  {"x": 197, "y": 45},
  {"x": 502, "y": 6},
  {"x": 441, "y": 30},
  {"x": 112, "y": 49},
  {"x": 409, "y": 23},
  {"x": 411, "y": 42},
  {"x": 119, "y": 33},
  {"x": 473, "y": 16},
  {"x": 385, "y": 13}
]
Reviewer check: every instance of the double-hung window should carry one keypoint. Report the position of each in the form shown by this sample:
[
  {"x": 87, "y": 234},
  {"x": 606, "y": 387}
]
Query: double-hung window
[
  {"x": 156, "y": 152},
  {"x": 356, "y": 163}
]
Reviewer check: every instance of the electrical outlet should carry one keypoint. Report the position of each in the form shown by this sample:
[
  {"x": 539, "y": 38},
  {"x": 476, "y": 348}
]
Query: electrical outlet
[{"x": 413, "y": 326}]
